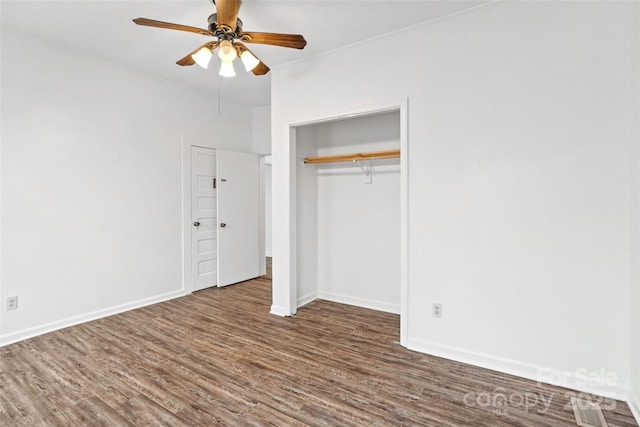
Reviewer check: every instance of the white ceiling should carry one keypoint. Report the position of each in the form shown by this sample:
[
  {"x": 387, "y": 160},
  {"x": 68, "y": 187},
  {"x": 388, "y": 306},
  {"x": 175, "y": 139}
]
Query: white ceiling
[{"x": 104, "y": 29}]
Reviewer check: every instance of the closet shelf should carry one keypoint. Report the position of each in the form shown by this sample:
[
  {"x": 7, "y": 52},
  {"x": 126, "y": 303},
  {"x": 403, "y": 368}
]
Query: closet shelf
[{"x": 353, "y": 157}]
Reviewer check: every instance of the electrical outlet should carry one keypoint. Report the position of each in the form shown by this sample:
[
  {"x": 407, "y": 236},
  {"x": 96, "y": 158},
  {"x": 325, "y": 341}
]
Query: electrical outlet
[
  {"x": 12, "y": 303},
  {"x": 437, "y": 310}
]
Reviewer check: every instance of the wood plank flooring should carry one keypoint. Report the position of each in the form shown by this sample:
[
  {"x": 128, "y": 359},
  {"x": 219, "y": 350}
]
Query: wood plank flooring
[{"x": 218, "y": 358}]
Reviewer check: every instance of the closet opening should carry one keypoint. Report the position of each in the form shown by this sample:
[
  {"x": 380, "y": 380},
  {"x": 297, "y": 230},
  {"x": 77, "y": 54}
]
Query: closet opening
[{"x": 349, "y": 211}]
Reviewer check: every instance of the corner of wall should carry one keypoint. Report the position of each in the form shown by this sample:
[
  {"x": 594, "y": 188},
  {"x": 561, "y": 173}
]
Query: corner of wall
[
  {"x": 634, "y": 405},
  {"x": 279, "y": 311},
  {"x": 306, "y": 299},
  {"x": 634, "y": 392}
]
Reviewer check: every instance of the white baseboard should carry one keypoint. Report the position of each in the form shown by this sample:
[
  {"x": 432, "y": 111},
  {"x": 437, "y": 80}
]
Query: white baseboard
[
  {"x": 307, "y": 299},
  {"x": 279, "y": 311},
  {"x": 24, "y": 334},
  {"x": 578, "y": 381},
  {"x": 634, "y": 405},
  {"x": 360, "y": 302},
  {"x": 269, "y": 254}
]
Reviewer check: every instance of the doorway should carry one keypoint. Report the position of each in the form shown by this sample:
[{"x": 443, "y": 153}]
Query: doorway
[{"x": 223, "y": 217}]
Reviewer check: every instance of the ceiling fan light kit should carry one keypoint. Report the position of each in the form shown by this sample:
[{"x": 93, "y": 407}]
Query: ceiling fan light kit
[
  {"x": 202, "y": 57},
  {"x": 227, "y": 28},
  {"x": 250, "y": 62},
  {"x": 226, "y": 69},
  {"x": 227, "y": 52}
]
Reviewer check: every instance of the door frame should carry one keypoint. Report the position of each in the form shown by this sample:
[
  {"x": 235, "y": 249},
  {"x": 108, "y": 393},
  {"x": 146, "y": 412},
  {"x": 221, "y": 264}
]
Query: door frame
[
  {"x": 284, "y": 274},
  {"x": 187, "y": 280}
]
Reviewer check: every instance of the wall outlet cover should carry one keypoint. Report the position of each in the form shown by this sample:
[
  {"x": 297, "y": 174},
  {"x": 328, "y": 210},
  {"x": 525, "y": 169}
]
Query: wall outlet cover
[{"x": 12, "y": 303}]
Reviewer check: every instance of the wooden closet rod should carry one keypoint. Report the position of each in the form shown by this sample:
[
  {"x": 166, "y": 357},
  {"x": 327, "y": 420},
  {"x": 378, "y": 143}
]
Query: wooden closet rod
[{"x": 372, "y": 155}]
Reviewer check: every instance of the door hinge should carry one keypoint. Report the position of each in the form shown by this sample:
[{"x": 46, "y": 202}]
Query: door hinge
[{"x": 214, "y": 183}]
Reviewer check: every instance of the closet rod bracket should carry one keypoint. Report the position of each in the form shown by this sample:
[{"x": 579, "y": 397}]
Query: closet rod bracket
[{"x": 366, "y": 169}]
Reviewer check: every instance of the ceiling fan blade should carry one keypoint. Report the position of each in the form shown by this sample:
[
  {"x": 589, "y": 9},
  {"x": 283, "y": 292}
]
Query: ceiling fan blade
[
  {"x": 260, "y": 69},
  {"x": 227, "y": 11},
  {"x": 188, "y": 60},
  {"x": 170, "y": 26},
  {"x": 295, "y": 41}
]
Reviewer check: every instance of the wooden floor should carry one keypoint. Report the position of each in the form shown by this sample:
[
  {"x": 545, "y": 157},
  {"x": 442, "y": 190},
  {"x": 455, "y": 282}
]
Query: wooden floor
[{"x": 218, "y": 358}]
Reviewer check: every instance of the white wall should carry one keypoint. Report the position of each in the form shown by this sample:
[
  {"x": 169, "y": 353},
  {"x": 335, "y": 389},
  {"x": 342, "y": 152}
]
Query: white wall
[
  {"x": 635, "y": 275},
  {"x": 261, "y": 144},
  {"x": 635, "y": 238},
  {"x": 91, "y": 183},
  {"x": 306, "y": 186},
  {"x": 261, "y": 129},
  {"x": 268, "y": 208},
  {"x": 519, "y": 179}
]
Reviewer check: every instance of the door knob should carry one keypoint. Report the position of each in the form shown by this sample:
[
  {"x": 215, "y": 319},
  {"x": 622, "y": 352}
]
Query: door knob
[
  {"x": 222, "y": 224},
  {"x": 197, "y": 224}
]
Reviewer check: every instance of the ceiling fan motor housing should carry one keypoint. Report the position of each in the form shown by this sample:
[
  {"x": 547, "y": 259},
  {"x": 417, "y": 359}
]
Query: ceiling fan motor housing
[{"x": 213, "y": 27}]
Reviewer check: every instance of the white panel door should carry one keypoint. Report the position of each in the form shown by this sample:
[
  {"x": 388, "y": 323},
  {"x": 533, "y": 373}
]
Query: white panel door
[
  {"x": 204, "y": 247},
  {"x": 239, "y": 216}
]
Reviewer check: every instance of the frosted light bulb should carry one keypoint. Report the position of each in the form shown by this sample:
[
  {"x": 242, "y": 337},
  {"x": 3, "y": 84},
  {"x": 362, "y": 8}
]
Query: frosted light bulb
[
  {"x": 202, "y": 57},
  {"x": 227, "y": 51},
  {"x": 226, "y": 69},
  {"x": 250, "y": 62}
]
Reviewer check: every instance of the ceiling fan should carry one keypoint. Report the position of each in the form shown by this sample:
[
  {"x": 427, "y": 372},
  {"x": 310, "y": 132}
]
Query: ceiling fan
[{"x": 227, "y": 28}]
